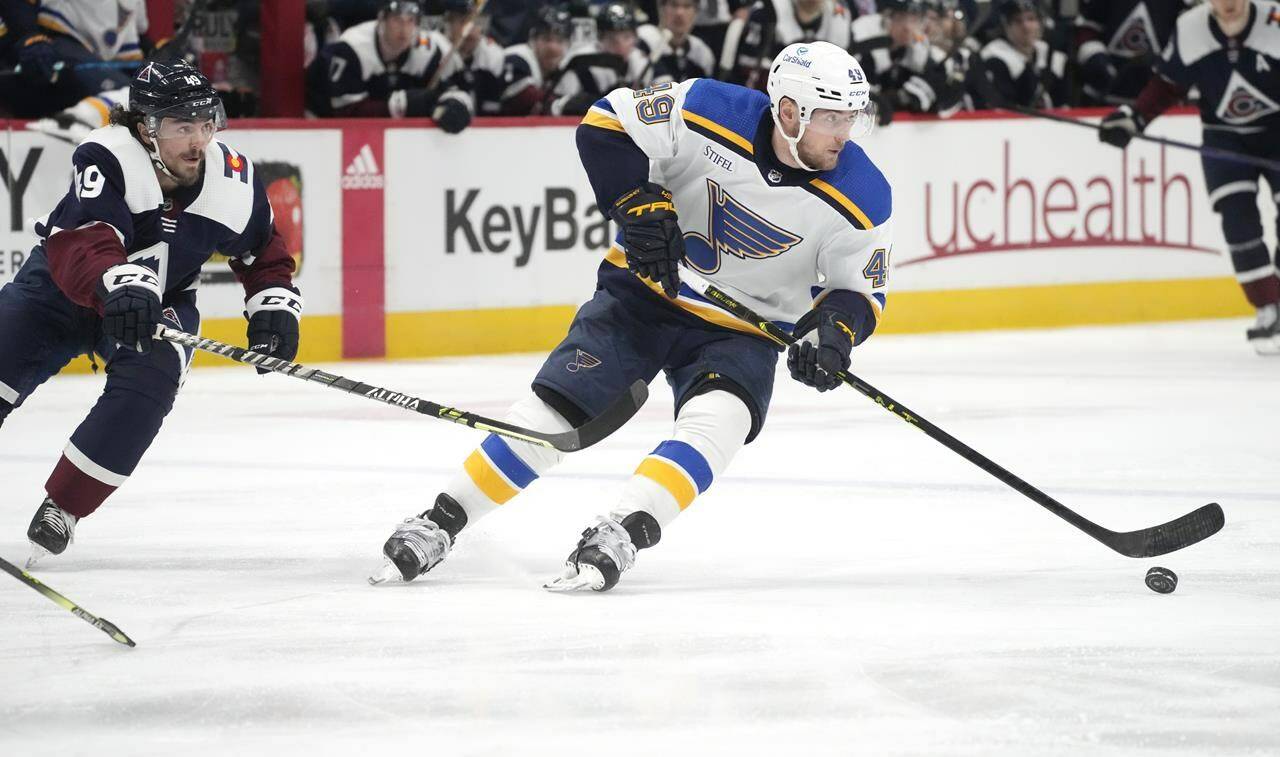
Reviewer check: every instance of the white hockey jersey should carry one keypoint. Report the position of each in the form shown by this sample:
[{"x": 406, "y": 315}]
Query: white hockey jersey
[
  {"x": 774, "y": 237},
  {"x": 109, "y": 30}
]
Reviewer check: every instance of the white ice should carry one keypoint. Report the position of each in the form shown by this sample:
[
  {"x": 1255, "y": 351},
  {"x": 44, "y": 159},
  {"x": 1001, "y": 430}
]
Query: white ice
[{"x": 849, "y": 586}]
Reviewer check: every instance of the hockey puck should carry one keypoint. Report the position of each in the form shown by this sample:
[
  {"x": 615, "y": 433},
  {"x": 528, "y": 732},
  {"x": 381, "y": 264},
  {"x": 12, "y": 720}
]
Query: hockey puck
[{"x": 1162, "y": 580}]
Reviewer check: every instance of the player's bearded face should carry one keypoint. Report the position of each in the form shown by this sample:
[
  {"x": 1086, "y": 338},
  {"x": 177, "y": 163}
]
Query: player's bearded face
[
  {"x": 182, "y": 144},
  {"x": 396, "y": 32},
  {"x": 825, "y": 137},
  {"x": 549, "y": 50}
]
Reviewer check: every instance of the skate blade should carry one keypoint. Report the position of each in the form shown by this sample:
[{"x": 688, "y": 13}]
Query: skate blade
[
  {"x": 586, "y": 577},
  {"x": 1266, "y": 347},
  {"x": 38, "y": 553},
  {"x": 387, "y": 573}
]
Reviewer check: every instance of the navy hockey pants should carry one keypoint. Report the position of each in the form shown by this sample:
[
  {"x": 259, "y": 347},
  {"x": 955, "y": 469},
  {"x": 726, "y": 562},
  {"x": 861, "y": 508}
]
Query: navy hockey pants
[
  {"x": 1233, "y": 193},
  {"x": 625, "y": 332},
  {"x": 40, "y": 332}
]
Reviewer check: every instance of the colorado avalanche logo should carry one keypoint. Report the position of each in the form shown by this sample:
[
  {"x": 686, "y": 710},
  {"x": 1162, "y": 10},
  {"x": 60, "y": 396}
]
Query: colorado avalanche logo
[
  {"x": 735, "y": 230},
  {"x": 1244, "y": 102},
  {"x": 1136, "y": 36}
]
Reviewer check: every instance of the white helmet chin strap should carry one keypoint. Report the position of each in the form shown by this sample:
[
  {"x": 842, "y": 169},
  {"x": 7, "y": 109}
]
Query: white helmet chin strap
[
  {"x": 793, "y": 142},
  {"x": 153, "y": 150}
]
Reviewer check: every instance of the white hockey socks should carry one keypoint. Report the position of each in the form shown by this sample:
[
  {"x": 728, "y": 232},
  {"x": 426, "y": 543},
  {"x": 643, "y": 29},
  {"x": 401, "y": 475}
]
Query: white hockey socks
[
  {"x": 710, "y": 430},
  {"x": 500, "y": 468}
]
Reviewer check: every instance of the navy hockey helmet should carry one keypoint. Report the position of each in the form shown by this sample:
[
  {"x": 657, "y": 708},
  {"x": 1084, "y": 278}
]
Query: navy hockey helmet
[
  {"x": 174, "y": 90},
  {"x": 616, "y": 17},
  {"x": 399, "y": 8},
  {"x": 1011, "y": 9},
  {"x": 915, "y": 7},
  {"x": 552, "y": 19}
]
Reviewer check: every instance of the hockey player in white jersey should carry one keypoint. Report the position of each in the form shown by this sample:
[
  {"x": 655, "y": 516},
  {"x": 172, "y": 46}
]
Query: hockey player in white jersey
[{"x": 766, "y": 196}]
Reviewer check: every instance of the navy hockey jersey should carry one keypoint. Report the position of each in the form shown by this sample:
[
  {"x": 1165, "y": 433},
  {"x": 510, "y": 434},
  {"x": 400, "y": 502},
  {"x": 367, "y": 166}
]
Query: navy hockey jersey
[
  {"x": 115, "y": 211},
  {"x": 1238, "y": 77}
]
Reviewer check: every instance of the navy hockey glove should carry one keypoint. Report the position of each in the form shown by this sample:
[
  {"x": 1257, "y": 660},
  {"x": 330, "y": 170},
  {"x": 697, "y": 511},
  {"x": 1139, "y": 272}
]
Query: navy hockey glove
[
  {"x": 130, "y": 295},
  {"x": 816, "y": 365},
  {"x": 39, "y": 60},
  {"x": 1121, "y": 125},
  {"x": 452, "y": 115},
  {"x": 651, "y": 235},
  {"x": 273, "y": 322},
  {"x": 411, "y": 103}
]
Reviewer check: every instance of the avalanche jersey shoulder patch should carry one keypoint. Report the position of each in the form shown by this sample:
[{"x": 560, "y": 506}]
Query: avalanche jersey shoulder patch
[{"x": 226, "y": 196}]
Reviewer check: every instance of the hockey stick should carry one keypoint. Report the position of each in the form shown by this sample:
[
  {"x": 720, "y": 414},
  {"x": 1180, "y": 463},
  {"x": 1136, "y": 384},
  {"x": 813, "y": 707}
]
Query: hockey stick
[
  {"x": 1168, "y": 537},
  {"x": 102, "y": 624},
  {"x": 594, "y": 430},
  {"x": 995, "y": 100},
  {"x": 453, "y": 44}
]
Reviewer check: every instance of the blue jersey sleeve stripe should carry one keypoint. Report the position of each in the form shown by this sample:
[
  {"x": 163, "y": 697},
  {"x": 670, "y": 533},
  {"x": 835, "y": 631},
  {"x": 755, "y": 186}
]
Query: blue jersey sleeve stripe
[{"x": 604, "y": 104}]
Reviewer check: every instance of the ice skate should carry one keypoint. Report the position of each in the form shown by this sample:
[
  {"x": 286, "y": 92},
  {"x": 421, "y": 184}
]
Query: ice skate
[
  {"x": 416, "y": 546},
  {"x": 1264, "y": 335},
  {"x": 603, "y": 554},
  {"x": 51, "y": 530}
]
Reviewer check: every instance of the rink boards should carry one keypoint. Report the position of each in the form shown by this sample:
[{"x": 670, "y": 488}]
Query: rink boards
[{"x": 414, "y": 243}]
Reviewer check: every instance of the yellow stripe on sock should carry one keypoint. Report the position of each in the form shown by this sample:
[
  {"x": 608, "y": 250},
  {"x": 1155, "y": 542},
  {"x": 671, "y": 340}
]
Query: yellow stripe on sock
[
  {"x": 668, "y": 477},
  {"x": 487, "y": 479}
]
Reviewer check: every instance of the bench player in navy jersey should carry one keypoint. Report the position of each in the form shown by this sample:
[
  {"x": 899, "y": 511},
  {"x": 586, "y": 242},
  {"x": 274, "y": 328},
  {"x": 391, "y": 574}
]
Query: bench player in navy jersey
[
  {"x": 154, "y": 195},
  {"x": 767, "y": 197},
  {"x": 1230, "y": 51}
]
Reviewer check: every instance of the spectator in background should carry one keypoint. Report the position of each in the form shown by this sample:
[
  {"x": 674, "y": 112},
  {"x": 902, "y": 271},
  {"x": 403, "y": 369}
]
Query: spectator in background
[
  {"x": 593, "y": 71},
  {"x": 675, "y": 54},
  {"x": 946, "y": 27},
  {"x": 476, "y": 63},
  {"x": 713, "y": 21},
  {"x": 752, "y": 43},
  {"x": 1118, "y": 43},
  {"x": 905, "y": 71},
  {"x": 65, "y": 57},
  {"x": 1021, "y": 67},
  {"x": 530, "y": 68},
  {"x": 387, "y": 67}
]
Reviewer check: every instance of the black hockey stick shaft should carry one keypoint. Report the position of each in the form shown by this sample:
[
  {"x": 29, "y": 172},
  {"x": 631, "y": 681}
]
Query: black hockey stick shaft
[
  {"x": 1205, "y": 150},
  {"x": 994, "y": 99},
  {"x": 102, "y": 624},
  {"x": 594, "y": 430},
  {"x": 1181, "y": 532}
]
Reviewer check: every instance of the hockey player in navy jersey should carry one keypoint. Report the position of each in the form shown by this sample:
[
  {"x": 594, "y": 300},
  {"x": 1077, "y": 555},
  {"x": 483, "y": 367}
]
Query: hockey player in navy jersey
[
  {"x": 391, "y": 67},
  {"x": 764, "y": 195},
  {"x": 1230, "y": 51},
  {"x": 154, "y": 195}
]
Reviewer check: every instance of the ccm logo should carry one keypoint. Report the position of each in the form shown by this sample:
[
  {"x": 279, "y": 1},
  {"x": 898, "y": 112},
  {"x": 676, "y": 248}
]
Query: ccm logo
[
  {"x": 278, "y": 301},
  {"x": 125, "y": 279}
]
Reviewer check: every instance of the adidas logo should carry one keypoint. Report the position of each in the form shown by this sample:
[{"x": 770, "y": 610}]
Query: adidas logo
[{"x": 363, "y": 171}]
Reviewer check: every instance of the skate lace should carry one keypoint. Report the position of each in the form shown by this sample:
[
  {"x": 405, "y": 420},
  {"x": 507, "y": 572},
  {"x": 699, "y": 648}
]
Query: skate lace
[
  {"x": 53, "y": 518},
  {"x": 426, "y": 538},
  {"x": 611, "y": 537}
]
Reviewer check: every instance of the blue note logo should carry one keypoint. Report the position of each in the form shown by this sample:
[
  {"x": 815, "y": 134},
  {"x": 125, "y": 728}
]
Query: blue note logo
[
  {"x": 582, "y": 361},
  {"x": 734, "y": 230}
]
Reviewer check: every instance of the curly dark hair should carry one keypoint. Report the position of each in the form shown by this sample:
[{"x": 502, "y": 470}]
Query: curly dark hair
[{"x": 121, "y": 116}]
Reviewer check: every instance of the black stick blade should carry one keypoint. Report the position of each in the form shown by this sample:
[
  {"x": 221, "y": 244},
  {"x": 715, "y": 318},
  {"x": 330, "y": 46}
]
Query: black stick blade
[
  {"x": 1179, "y": 533},
  {"x": 601, "y": 426}
]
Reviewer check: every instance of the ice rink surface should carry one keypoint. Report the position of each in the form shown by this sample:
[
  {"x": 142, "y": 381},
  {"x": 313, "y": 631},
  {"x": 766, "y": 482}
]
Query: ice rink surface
[{"x": 848, "y": 587}]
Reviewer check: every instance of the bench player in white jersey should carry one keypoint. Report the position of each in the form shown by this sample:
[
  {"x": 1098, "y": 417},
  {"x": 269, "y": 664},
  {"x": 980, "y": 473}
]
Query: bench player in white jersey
[{"x": 779, "y": 208}]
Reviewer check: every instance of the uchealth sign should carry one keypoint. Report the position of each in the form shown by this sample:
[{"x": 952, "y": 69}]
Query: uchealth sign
[{"x": 1025, "y": 202}]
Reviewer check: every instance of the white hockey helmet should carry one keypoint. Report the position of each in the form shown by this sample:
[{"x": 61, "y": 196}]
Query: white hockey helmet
[{"x": 820, "y": 75}]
